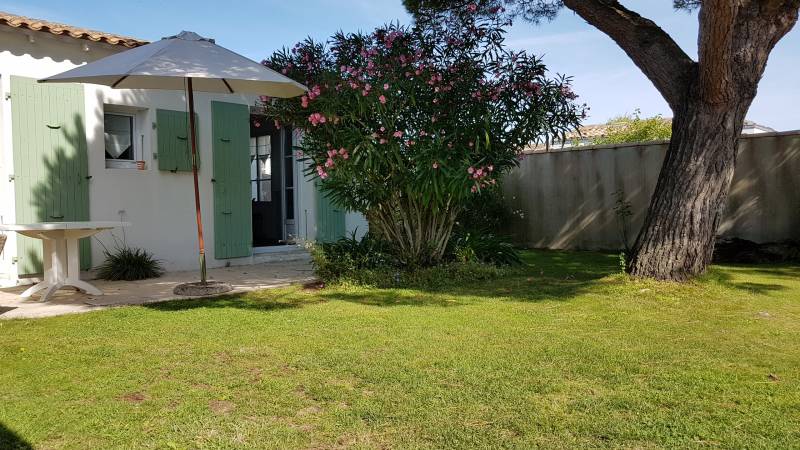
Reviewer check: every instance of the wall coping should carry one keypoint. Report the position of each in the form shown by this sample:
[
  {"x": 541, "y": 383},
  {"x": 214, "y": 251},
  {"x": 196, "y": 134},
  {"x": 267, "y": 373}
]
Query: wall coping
[{"x": 649, "y": 143}]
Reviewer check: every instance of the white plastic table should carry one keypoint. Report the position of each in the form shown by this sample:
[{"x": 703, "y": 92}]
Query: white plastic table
[{"x": 61, "y": 255}]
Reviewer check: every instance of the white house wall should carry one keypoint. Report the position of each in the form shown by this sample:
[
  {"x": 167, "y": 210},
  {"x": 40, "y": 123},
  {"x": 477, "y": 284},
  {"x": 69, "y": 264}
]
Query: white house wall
[{"x": 158, "y": 204}]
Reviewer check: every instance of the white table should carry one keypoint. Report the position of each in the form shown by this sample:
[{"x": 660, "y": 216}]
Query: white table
[{"x": 61, "y": 255}]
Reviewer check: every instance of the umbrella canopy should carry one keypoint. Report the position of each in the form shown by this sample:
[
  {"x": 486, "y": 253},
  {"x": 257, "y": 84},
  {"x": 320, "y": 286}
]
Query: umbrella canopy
[{"x": 166, "y": 63}]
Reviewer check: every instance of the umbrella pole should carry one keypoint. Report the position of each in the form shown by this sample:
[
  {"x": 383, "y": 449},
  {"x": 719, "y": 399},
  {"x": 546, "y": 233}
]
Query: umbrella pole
[{"x": 200, "y": 241}]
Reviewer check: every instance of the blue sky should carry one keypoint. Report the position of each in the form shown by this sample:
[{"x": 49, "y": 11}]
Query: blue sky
[{"x": 603, "y": 75}]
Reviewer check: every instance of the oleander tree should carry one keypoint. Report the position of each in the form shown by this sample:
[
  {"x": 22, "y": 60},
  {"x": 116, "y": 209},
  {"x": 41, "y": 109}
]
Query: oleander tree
[
  {"x": 405, "y": 123},
  {"x": 709, "y": 98}
]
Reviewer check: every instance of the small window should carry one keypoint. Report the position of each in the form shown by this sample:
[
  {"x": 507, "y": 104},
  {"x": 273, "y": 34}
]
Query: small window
[{"x": 119, "y": 137}]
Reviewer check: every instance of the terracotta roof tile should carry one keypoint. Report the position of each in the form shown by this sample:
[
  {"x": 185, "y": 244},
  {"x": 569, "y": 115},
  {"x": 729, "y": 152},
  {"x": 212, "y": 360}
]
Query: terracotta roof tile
[{"x": 60, "y": 29}]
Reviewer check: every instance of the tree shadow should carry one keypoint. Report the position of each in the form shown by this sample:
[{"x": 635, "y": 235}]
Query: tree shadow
[
  {"x": 724, "y": 275},
  {"x": 390, "y": 297},
  {"x": 264, "y": 300},
  {"x": 546, "y": 275},
  {"x": 10, "y": 440},
  {"x": 55, "y": 188}
]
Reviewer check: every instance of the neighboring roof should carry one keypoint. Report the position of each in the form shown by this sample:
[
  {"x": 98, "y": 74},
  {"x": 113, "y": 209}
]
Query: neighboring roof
[
  {"x": 60, "y": 29},
  {"x": 751, "y": 124}
]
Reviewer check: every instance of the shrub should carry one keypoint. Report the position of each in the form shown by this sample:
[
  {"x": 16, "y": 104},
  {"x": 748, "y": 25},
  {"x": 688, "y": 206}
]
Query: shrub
[
  {"x": 348, "y": 255},
  {"x": 487, "y": 210},
  {"x": 129, "y": 264},
  {"x": 371, "y": 261},
  {"x": 406, "y": 124},
  {"x": 633, "y": 128},
  {"x": 485, "y": 247}
]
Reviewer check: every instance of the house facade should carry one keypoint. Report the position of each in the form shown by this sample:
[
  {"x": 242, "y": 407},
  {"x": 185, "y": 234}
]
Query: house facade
[{"x": 76, "y": 152}]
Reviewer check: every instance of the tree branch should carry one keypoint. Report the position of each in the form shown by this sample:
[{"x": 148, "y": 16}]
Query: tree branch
[
  {"x": 735, "y": 41},
  {"x": 651, "y": 48}
]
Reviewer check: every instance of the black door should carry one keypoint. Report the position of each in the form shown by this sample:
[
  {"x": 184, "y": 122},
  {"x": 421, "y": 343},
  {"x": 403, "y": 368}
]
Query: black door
[{"x": 265, "y": 174}]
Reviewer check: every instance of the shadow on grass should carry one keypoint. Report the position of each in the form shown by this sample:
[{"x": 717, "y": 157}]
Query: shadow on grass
[
  {"x": 773, "y": 270},
  {"x": 258, "y": 301},
  {"x": 12, "y": 441},
  {"x": 547, "y": 275},
  {"x": 724, "y": 275},
  {"x": 389, "y": 297}
]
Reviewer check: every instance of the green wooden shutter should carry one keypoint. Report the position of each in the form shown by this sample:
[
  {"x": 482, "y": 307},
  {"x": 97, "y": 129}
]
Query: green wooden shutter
[
  {"x": 51, "y": 166},
  {"x": 330, "y": 219},
  {"x": 174, "y": 148},
  {"x": 233, "y": 219}
]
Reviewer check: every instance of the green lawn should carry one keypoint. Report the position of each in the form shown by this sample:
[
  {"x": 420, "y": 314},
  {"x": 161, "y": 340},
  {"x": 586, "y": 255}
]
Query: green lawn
[{"x": 569, "y": 354}]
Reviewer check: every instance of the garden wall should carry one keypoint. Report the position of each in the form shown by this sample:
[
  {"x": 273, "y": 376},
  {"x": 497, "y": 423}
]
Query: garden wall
[{"x": 566, "y": 197}]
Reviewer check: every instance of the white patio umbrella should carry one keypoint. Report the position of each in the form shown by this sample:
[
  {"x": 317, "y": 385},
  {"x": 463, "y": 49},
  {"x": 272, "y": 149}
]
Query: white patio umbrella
[{"x": 185, "y": 61}]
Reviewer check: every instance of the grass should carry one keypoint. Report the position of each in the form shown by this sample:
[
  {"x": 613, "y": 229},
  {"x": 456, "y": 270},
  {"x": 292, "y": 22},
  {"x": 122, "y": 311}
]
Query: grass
[{"x": 568, "y": 354}]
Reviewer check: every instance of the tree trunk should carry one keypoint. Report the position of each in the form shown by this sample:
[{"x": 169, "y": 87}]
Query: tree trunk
[
  {"x": 710, "y": 98},
  {"x": 418, "y": 231},
  {"x": 677, "y": 239}
]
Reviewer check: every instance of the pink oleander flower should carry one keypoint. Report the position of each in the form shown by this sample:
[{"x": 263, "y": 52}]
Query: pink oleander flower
[
  {"x": 329, "y": 163},
  {"x": 304, "y": 101},
  {"x": 383, "y": 141},
  {"x": 398, "y": 134},
  {"x": 474, "y": 189},
  {"x": 435, "y": 165},
  {"x": 316, "y": 119},
  {"x": 382, "y": 99},
  {"x": 490, "y": 168},
  {"x": 471, "y": 170},
  {"x": 385, "y": 86}
]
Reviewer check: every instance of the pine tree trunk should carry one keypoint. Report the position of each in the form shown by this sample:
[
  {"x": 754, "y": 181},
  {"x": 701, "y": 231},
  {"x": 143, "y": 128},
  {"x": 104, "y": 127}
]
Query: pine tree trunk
[
  {"x": 710, "y": 98},
  {"x": 677, "y": 239}
]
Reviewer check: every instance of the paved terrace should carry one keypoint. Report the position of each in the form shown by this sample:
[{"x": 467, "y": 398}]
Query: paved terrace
[{"x": 119, "y": 293}]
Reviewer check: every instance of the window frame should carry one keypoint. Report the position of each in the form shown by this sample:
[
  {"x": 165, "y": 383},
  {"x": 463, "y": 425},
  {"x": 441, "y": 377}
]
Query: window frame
[{"x": 111, "y": 163}]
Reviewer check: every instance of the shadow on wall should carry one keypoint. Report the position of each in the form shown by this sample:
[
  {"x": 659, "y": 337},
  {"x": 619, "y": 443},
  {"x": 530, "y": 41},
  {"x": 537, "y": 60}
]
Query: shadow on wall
[
  {"x": 568, "y": 201},
  {"x": 12, "y": 441},
  {"x": 57, "y": 189}
]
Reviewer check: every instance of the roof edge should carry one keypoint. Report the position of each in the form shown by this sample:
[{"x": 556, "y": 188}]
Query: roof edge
[{"x": 59, "y": 29}]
